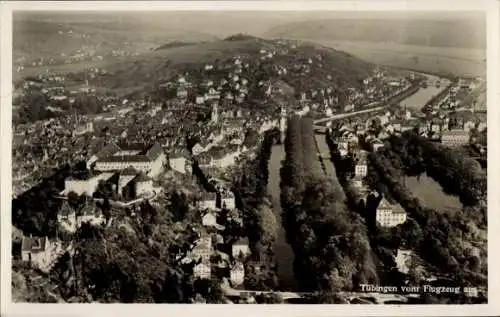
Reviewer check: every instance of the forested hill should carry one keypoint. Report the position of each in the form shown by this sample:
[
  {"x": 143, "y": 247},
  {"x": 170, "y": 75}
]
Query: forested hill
[
  {"x": 161, "y": 65},
  {"x": 292, "y": 67}
]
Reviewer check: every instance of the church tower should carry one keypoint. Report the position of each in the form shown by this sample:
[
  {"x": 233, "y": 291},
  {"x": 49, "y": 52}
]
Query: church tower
[{"x": 215, "y": 113}]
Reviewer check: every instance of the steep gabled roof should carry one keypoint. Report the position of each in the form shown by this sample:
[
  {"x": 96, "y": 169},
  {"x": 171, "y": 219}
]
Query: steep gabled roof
[
  {"x": 154, "y": 152},
  {"x": 65, "y": 209},
  {"x": 238, "y": 266},
  {"x": 142, "y": 178},
  {"x": 108, "y": 150},
  {"x": 208, "y": 196},
  {"x": 242, "y": 241},
  {"x": 129, "y": 171},
  {"x": 88, "y": 209}
]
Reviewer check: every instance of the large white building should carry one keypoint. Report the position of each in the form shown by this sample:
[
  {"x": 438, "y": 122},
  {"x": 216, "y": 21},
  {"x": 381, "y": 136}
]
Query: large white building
[
  {"x": 129, "y": 178},
  {"x": 84, "y": 186},
  {"x": 455, "y": 137},
  {"x": 149, "y": 160},
  {"x": 389, "y": 215}
]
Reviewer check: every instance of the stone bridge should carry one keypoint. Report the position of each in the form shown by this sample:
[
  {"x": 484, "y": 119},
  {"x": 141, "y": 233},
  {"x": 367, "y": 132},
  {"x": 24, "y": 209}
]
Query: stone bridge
[{"x": 376, "y": 298}]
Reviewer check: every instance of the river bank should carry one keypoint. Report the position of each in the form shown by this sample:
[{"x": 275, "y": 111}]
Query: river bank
[{"x": 283, "y": 251}]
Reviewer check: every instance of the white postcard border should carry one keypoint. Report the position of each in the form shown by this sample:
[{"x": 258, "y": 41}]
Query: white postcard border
[{"x": 493, "y": 65}]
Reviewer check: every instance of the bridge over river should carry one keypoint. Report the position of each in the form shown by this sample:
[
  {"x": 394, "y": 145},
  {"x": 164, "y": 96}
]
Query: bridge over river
[
  {"x": 377, "y": 298},
  {"x": 347, "y": 115}
]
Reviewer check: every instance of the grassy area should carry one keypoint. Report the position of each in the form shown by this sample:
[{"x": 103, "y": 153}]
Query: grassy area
[
  {"x": 450, "y": 30},
  {"x": 431, "y": 194},
  {"x": 458, "y": 61}
]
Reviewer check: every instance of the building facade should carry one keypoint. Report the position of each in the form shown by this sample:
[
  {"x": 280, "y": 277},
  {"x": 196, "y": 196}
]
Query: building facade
[
  {"x": 237, "y": 274},
  {"x": 389, "y": 215},
  {"x": 149, "y": 160},
  {"x": 455, "y": 137},
  {"x": 40, "y": 252},
  {"x": 202, "y": 271},
  {"x": 240, "y": 248}
]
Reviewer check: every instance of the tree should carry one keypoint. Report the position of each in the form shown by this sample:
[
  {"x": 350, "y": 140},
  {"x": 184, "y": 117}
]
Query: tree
[
  {"x": 411, "y": 234},
  {"x": 179, "y": 206},
  {"x": 268, "y": 225},
  {"x": 329, "y": 298},
  {"x": 271, "y": 298}
]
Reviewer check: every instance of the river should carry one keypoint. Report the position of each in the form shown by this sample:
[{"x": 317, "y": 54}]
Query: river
[
  {"x": 283, "y": 251},
  {"x": 419, "y": 99}
]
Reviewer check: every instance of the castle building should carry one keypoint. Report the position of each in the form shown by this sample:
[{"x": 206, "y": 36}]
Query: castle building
[{"x": 149, "y": 160}]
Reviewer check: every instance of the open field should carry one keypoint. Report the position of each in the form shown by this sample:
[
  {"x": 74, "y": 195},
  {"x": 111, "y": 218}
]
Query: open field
[
  {"x": 430, "y": 30},
  {"x": 431, "y": 194},
  {"x": 457, "y": 61}
]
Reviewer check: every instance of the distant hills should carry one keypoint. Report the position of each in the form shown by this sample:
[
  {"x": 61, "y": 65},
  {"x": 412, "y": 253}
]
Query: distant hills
[
  {"x": 139, "y": 75},
  {"x": 174, "y": 44},
  {"x": 240, "y": 37},
  {"x": 49, "y": 39},
  {"x": 463, "y": 33}
]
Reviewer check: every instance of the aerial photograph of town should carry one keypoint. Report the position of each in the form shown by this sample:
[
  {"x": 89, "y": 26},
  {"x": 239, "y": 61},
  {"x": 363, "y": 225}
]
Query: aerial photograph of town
[{"x": 241, "y": 157}]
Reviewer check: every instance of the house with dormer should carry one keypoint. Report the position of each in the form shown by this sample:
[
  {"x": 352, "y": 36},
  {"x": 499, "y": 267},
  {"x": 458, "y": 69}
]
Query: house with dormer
[
  {"x": 208, "y": 201},
  {"x": 228, "y": 200},
  {"x": 209, "y": 219},
  {"x": 90, "y": 213},
  {"x": 361, "y": 165},
  {"x": 202, "y": 250},
  {"x": 241, "y": 248},
  {"x": 389, "y": 214},
  {"x": 40, "y": 252},
  {"x": 66, "y": 217},
  {"x": 203, "y": 270},
  {"x": 237, "y": 274}
]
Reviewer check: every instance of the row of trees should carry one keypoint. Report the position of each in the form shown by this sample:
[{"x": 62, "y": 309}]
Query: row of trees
[
  {"x": 442, "y": 239},
  {"x": 384, "y": 241},
  {"x": 261, "y": 225},
  {"x": 332, "y": 251},
  {"x": 456, "y": 173}
]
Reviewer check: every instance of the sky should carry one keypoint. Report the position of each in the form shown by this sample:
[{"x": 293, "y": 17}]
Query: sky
[{"x": 221, "y": 23}]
